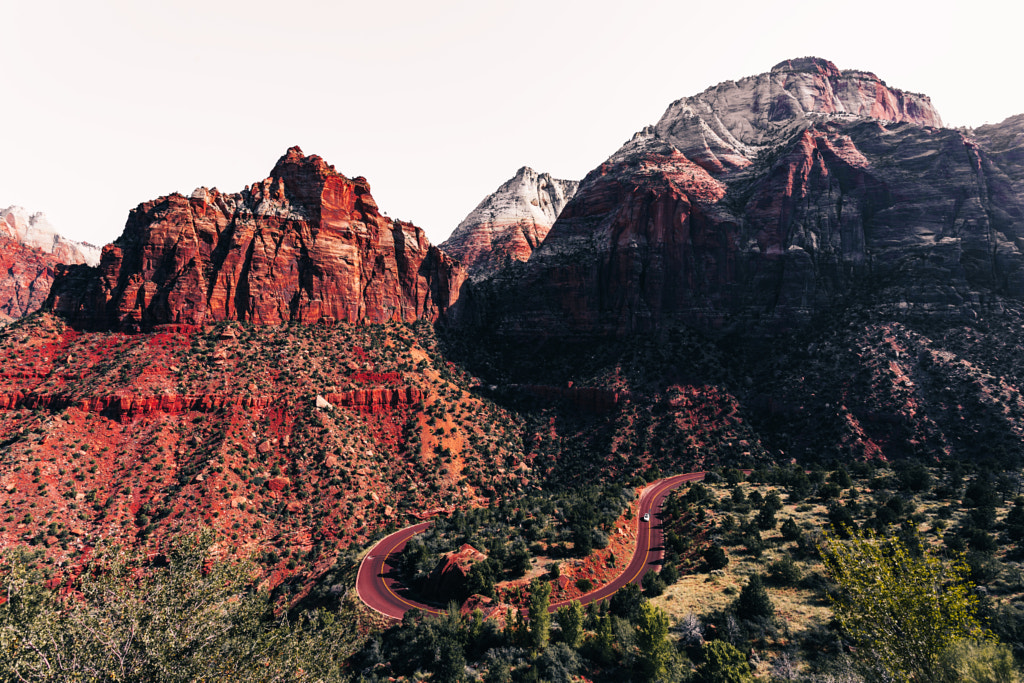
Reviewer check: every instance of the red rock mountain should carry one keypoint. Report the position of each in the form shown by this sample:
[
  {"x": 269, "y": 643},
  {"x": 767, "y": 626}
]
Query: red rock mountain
[
  {"x": 305, "y": 244},
  {"x": 510, "y": 223},
  {"x": 28, "y": 276},
  {"x": 30, "y": 252},
  {"x": 766, "y": 201}
]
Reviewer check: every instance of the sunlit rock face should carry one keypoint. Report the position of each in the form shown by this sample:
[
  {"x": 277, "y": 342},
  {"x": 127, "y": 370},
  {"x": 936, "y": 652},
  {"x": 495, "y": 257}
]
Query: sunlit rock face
[
  {"x": 34, "y": 230},
  {"x": 727, "y": 125},
  {"x": 761, "y": 203},
  {"x": 509, "y": 224},
  {"x": 30, "y": 252},
  {"x": 305, "y": 244}
]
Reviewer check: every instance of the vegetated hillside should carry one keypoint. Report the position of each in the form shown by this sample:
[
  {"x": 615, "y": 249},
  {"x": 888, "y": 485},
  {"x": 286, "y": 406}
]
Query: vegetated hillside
[
  {"x": 293, "y": 442},
  {"x": 577, "y": 539},
  {"x": 851, "y": 385},
  {"x": 859, "y": 386},
  {"x": 624, "y": 410},
  {"x": 743, "y": 572}
]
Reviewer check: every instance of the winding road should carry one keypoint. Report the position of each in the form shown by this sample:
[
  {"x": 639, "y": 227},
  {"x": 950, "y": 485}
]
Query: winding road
[{"x": 378, "y": 588}]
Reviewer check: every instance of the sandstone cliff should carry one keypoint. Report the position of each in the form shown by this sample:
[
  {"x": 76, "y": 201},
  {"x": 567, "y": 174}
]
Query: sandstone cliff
[
  {"x": 30, "y": 252},
  {"x": 305, "y": 244},
  {"x": 28, "y": 274},
  {"x": 510, "y": 223},
  {"x": 794, "y": 206}
]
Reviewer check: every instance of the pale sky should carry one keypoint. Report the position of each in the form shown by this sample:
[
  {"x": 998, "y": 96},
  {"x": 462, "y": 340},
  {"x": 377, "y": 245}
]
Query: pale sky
[{"x": 437, "y": 102}]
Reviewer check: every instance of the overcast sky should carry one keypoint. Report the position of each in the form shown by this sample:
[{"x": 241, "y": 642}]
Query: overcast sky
[{"x": 437, "y": 102}]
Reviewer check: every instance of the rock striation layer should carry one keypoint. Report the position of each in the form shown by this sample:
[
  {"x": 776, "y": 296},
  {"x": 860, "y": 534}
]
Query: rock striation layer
[
  {"x": 305, "y": 244},
  {"x": 761, "y": 203},
  {"x": 511, "y": 222}
]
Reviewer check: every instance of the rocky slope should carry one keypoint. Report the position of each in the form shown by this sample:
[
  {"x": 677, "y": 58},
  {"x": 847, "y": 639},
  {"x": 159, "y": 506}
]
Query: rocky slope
[
  {"x": 802, "y": 207},
  {"x": 510, "y": 223},
  {"x": 305, "y": 244},
  {"x": 293, "y": 443},
  {"x": 30, "y": 252}
]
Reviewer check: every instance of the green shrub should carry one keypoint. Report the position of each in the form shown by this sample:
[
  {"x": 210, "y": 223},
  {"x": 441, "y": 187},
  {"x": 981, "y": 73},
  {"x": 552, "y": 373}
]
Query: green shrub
[
  {"x": 978, "y": 661},
  {"x": 716, "y": 558},
  {"x": 722, "y": 663}
]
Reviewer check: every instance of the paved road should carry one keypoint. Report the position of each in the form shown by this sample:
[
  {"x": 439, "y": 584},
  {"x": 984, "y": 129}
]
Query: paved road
[{"x": 378, "y": 588}]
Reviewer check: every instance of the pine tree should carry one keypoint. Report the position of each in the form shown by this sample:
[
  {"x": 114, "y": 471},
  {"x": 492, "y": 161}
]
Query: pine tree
[
  {"x": 570, "y": 620},
  {"x": 753, "y": 601},
  {"x": 540, "y": 619},
  {"x": 656, "y": 652},
  {"x": 723, "y": 663}
]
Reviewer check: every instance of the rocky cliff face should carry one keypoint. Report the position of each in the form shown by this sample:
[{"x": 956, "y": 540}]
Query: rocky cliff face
[
  {"x": 30, "y": 252},
  {"x": 766, "y": 201},
  {"x": 510, "y": 223},
  {"x": 28, "y": 274},
  {"x": 34, "y": 230},
  {"x": 1004, "y": 143},
  {"x": 725, "y": 127},
  {"x": 305, "y": 244}
]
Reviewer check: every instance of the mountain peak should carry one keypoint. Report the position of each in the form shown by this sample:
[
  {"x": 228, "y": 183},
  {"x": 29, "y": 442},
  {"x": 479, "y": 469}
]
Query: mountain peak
[
  {"x": 35, "y": 230},
  {"x": 808, "y": 65},
  {"x": 725, "y": 127},
  {"x": 510, "y": 222},
  {"x": 525, "y": 171},
  {"x": 304, "y": 244}
]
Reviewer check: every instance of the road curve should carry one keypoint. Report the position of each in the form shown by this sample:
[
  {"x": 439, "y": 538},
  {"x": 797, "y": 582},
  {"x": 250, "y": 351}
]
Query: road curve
[{"x": 377, "y": 586}]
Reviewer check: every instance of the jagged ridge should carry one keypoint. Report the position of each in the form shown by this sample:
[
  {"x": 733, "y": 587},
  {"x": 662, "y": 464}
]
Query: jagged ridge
[
  {"x": 305, "y": 244},
  {"x": 815, "y": 205},
  {"x": 511, "y": 222}
]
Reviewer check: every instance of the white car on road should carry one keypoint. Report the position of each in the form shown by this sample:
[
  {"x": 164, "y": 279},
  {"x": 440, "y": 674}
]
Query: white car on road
[{"x": 647, "y": 516}]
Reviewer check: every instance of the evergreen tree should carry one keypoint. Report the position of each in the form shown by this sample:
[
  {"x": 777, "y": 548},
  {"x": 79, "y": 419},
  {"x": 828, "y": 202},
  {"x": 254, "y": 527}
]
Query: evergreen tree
[
  {"x": 715, "y": 557},
  {"x": 570, "y": 620},
  {"x": 790, "y": 530},
  {"x": 481, "y": 579},
  {"x": 656, "y": 652},
  {"x": 753, "y": 601},
  {"x": 540, "y": 619},
  {"x": 604, "y": 640},
  {"x": 626, "y": 602}
]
